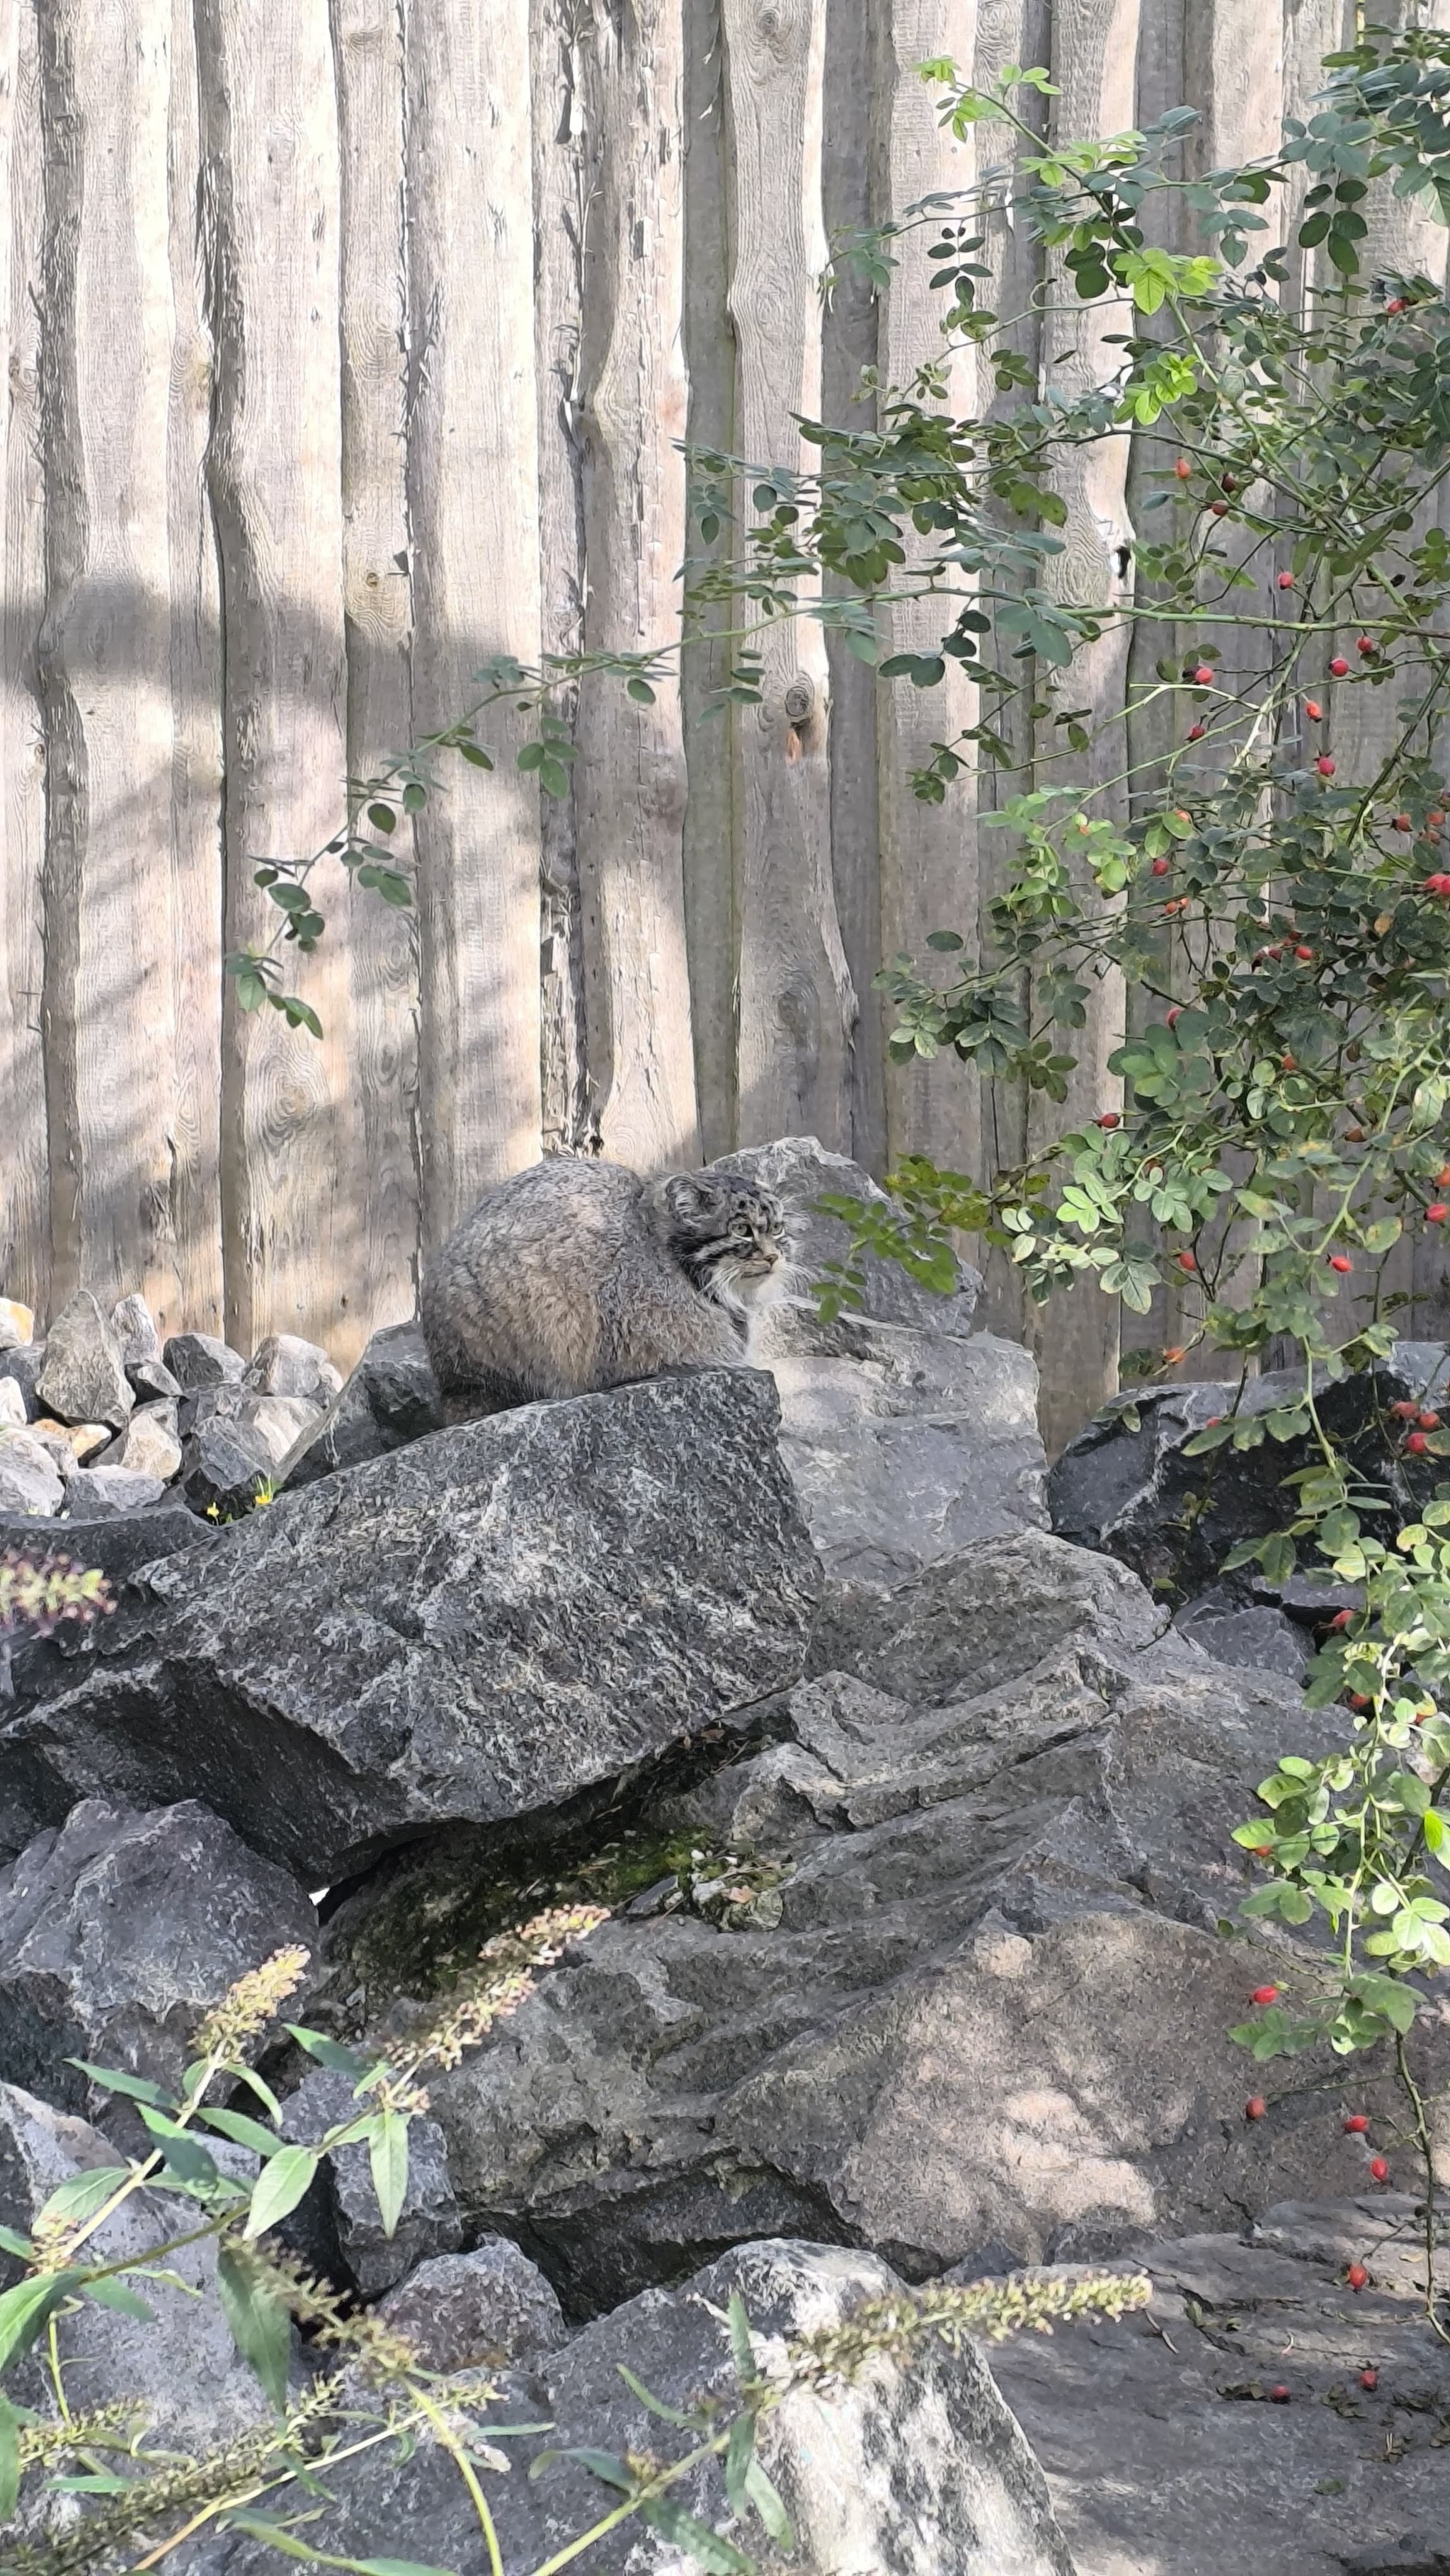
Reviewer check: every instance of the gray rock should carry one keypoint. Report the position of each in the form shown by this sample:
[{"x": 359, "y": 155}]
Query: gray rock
[
  {"x": 286, "y": 1365},
  {"x": 181, "y": 2369},
  {"x": 910, "y": 2472},
  {"x": 339, "y": 2226},
  {"x": 119, "y": 1932},
  {"x": 983, "y": 2000},
  {"x": 1150, "y": 2469},
  {"x": 801, "y": 1170},
  {"x": 474, "y": 1629},
  {"x": 30, "y": 1480},
  {"x": 117, "y": 1547},
  {"x": 224, "y": 1466},
  {"x": 13, "y": 1416},
  {"x": 489, "y": 2305},
  {"x": 202, "y": 1359},
  {"x": 110, "y": 1493},
  {"x": 390, "y": 1399},
  {"x": 1125, "y": 1483},
  {"x": 84, "y": 1377},
  {"x": 154, "y": 1378},
  {"x": 134, "y": 1326},
  {"x": 1260, "y": 1638},
  {"x": 150, "y": 1444},
  {"x": 23, "y": 1366},
  {"x": 904, "y": 1445}
]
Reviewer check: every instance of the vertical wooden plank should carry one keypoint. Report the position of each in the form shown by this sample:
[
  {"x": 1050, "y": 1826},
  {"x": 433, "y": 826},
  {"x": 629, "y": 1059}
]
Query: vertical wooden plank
[
  {"x": 194, "y": 658},
  {"x": 367, "y": 45},
  {"x": 928, "y": 852},
  {"x": 560, "y": 199},
  {"x": 710, "y": 898},
  {"x": 291, "y": 1180},
  {"x": 473, "y": 498},
  {"x": 104, "y": 647},
  {"x": 24, "y": 1186},
  {"x": 855, "y": 192},
  {"x": 630, "y": 778},
  {"x": 797, "y": 1006}
]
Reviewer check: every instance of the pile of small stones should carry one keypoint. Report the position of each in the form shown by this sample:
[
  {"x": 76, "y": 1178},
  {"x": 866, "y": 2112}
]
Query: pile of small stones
[{"x": 101, "y": 1417}]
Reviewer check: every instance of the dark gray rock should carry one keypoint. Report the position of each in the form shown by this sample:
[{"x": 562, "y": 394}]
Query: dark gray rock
[
  {"x": 116, "y": 1547},
  {"x": 202, "y": 1359},
  {"x": 904, "y": 1445},
  {"x": 286, "y": 1365},
  {"x": 134, "y": 1326},
  {"x": 339, "y": 2225},
  {"x": 154, "y": 1378},
  {"x": 473, "y": 1629},
  {"x": 23, "y": 1366},
  {"x": 910, "y": 2472},
  {"x": 801, "y": 1170},
  {"x": 1125, "y": 1484},
  {"x": 84, "y": 1377},
  {"x": 1152, "y": 2470},
  {"x": 109, "y": 1493},
  {"x": 390, "y": 1399},
  {"x": 490, "y": 2305},
  {"x": 181, "y": 2369},
  {"x": 982, "y": 1999},
  {"x": 119, "y": 1932},
  {"x": 1260, "y": 1638},
  {"x": 224, "y": 1466}
]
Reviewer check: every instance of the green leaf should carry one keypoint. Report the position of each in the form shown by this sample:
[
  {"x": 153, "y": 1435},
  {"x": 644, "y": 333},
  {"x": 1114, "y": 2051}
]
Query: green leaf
[
  {"x": 114, "y": 2079},
  {"x": 9, "y": 2461},
  {"x": 605, "y": 2465},
  {"x": 273, "y": 2535},
  {"x": 388, "y": 2157},
  {"x": 84, "y": 2193},
  {"x": 641, "y": 692},
  {"x": 382, "y": 818},
  {"x": 260, "y": 2326},
  {"x": 246, "y": 2133},
  {"x": 330, "y": 2052},
  {"x": 400, "y": 2567},
  {"x": 20, "y": 2246},
  {"x": 717, "y": 2555},
  {"x": 282, "y": 2182},
  {"x": 742, "y": 2342},
  {"x": 768, "y": 2505},
  {"x": 184, "y": 2154},
  {"x": 26, "y": 2309},
  {"x": 475, "y": 755},
  {"x": 739, "y": 2452},
  {"x": 114, "y": 2294},
  {"x": 656, "y": 2405}
]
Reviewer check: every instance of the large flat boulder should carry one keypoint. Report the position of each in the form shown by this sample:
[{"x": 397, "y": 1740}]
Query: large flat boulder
[
  {"x": 476, "y": 1627},
  {"x": 981, "y": 1997},
  {"x": 905, "y": 1444}
]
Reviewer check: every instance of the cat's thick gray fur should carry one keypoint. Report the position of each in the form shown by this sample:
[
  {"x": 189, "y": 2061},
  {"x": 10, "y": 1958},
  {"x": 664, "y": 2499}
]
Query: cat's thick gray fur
[{"x": 575, "y": 1276}]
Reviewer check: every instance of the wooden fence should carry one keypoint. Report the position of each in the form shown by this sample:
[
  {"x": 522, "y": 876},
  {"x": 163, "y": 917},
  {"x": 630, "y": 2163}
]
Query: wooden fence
[{"x": 349, "y": 342}]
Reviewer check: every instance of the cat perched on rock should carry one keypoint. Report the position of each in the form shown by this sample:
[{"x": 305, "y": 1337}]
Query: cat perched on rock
[{"x": 575, "y": 1276}]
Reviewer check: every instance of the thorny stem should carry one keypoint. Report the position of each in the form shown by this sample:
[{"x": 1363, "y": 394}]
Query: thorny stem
[{"x": 1427, "y": 2157}]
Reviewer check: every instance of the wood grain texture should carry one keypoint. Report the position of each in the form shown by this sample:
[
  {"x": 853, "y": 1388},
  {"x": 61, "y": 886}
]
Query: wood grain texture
[
  {"x": 928, "y": 852},
  {"x": 630, "y": 781},
  {"x": 104, "y": 647},
  {"x": 24, "y": 1180},
  {"x": 367, "y": 46},
  {"x": 560, "y": 214},
  {"x": 797, "y": 1009},
  {"x": 473, "y": 500},
  {"x": 291, "y": 1179}
]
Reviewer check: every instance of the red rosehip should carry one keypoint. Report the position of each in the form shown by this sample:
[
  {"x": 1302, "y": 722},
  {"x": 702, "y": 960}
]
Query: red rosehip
[
  {"x": 1341, "y": 1262},
  {"x": 1313, "y": 710},
  {"x": 1287, "y": 1064},
  {"x": 1286, "y": 581},
  {"x": 1175, "y": 1015},
  {"x": 1185, "y": 1261},
  {"x": 1401, "y": 823},
  {"x": 1396, "y": 304},
  {"x": 1357, "y": 1700},
  {"x": 1435, "y": 818},
  {"x": 1354, "y": 1135},
  {"x": 1339, "y": 666},
  {"x": 1417, "y": 1444},
  {"x": 1181, "y": 814},
  {"x": 1197, "y": 732},
  {"x": 1356, "y": 2123},
  {"x": 1340, "y": 1621},
  {"x": 1356, "y": 2276},
  {"x": 1404, "y": 1412},
  {"x": 1203, "y": 677},
  {"x": 1279, "y": 2394},
  {"x": 1442, "y": 1178},
  {"x": 1369, "y": 2379},
  {"x": 1429, "y": 1422},
  {"x": 1218, "y": 509},
  {"x": 1439, "y": 884},
  {"x": 1160, "y": 868},
  {"x": 1212, "y": 1419},
  {"x": 1437, "y": 1214},
  {"x": 1255, "y": 2107},
  {"x": 1378, "y": 2169},
  {"x": 1171, "y": 1358},
  {"x": 1304, "y": 955},
  {"x": 1109, "y": 1118},
  {"x": 1265, "y": 1995},
  {"x": 1183, "y": 469},
  {"x": 1262, "y": 1851},
  {"x": 1366, "y": 644},
  {"x": 1324, "y": 765}
]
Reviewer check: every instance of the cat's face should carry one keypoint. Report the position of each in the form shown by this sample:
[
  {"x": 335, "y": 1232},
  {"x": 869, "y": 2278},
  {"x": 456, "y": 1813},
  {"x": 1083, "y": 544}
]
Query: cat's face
[{"x": 727, "y": 1231}]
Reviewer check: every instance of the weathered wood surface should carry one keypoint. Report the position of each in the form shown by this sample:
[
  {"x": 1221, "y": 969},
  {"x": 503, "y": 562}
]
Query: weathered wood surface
[{"x": 347, "y": 346}]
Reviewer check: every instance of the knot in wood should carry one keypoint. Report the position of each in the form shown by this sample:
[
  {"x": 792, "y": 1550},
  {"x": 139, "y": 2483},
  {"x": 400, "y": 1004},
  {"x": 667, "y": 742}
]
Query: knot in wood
[{"x": 800, "y": 698}]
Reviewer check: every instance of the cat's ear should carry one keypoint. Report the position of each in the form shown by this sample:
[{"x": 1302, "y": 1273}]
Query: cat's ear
[{"x": 689, "y": 1196}]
